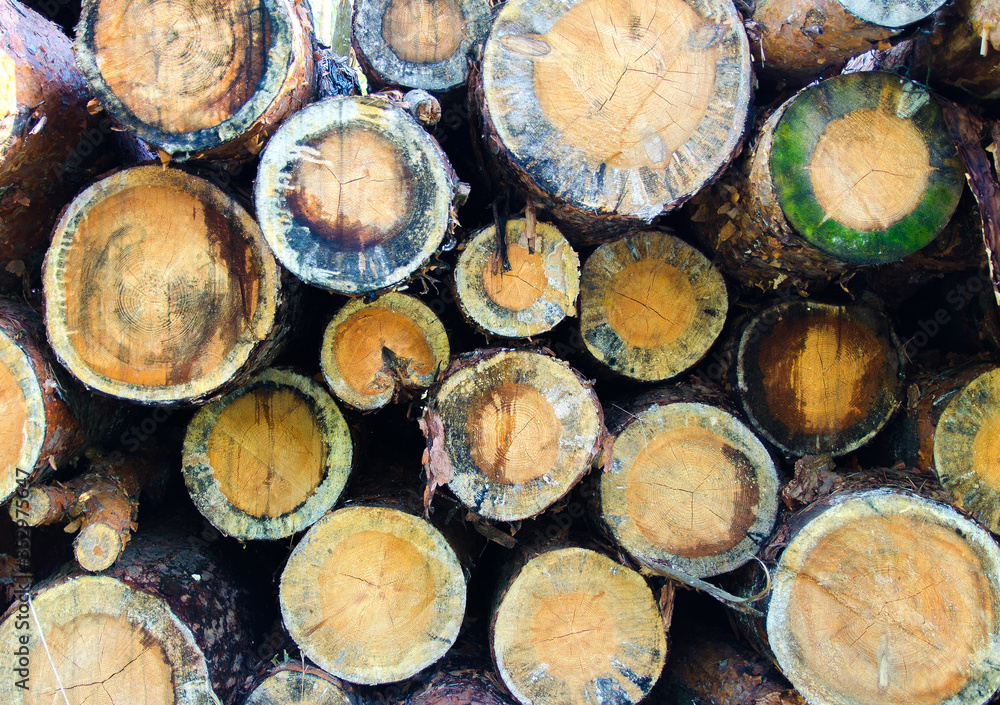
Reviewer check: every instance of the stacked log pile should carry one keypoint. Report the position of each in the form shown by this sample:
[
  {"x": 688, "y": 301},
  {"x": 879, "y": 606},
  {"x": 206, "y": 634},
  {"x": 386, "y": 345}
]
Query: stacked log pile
[{"x": 458, "y": 369}]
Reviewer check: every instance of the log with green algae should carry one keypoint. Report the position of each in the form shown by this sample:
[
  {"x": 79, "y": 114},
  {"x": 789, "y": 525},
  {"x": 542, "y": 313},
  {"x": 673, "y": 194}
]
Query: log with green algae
[
  {"x": 967, "y": 448},
  {"x": 863, "y": 167}
]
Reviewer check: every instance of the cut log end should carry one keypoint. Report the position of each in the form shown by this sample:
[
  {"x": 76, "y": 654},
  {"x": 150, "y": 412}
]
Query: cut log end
[
  {"x": 863, "y": 167},
  {"x": 888, "y": 599},
  {"x": 419, "y": 43},
  {"x": 23, "y": 409},
  {"x": 650, "y": 305},
  {"x": 576, "y": 627},
  {"x": 107, "y": 642},
  {"x": 373, "y": 595},
  {"x": 591, "y": 105},
  {"x": 269, "y": 459},
  {"x": 530, "y": 298},
  {"x": 299, "y": 686},
  {"x": 97, "y": 547},
  {"x": 967, "y": 448},
  {"x": 353, "y": 195},
  {"x": 158, "y": 287},
  {"x": 520, "y": 430},
  {"x": 689, "y": 489},
  {"x": 370, "y": 351},
  {"x": 191, "y": 77},
  {"x": 815, "y": 378}
]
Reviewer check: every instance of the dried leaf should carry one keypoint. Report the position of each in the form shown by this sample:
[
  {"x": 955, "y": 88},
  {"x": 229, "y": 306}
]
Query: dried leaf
[{"x": 814, "y": 478}]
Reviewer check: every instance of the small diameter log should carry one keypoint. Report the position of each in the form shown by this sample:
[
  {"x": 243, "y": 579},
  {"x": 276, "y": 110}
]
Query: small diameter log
[
  {"x": 372, "y": 351},
  {"x": 574, "y": 627},
  {"x": 517, "y": 430},
  {"x": 689, "y": 489},
  {"x": 47, "y": 421},
  {"x": 269, "y": 459},
  {"x": 863, "y": 167},
  {"x": 43, "y": 113},
  {"x": 967, "y": 448},
  {"x": 372, "y": 594},
  {"x": 885, "y": 598},
  {"x": 102, "y": 503},
  {"x": 520, "y": 287},
  {"x": 299, "y": 684},
  {"x": 815, "y": 378},
  {"x": 165, "y": 625},
  {"x": 460, "y": 687},
  {"x": 419, "y": 43},
  {"x": 716, "y": 669},
  {"x": 353, "y": 195},
  {"x": 799, "y": 41},
  {"x": 962, "y": 50},
  {"x": 611, "y": 114},
  {"x": 650, "y": 305},
  {"x": 196, "y": 80},
  {"x": 160, "y": 288}
]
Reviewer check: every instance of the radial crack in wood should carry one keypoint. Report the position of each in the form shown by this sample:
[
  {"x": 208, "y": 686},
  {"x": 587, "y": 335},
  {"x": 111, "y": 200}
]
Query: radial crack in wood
[
  {"x": 614, "y": 109},
  {"x": 373, "y": 594},
  {"x": 815, "y": 378},
  {"x": 863, "y": 167},
  {"x": 575, "y": 627},
  {"x": 650, "y": 305},
  {"x": 884, "y": 598},
  {"x": 690, "y": 489}
]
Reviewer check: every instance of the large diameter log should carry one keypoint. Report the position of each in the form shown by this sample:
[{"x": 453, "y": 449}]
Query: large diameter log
[
  {"x": 610, "y": 113},
  {"x": 165, "y": 626},
  {"x": 512, "y": 431},
  {"x": 160, "y": 288},
  {"x": 885, "y": 598},
  {"x": 47, "y": 419},
  {"x": 815, "y": 378},
  {"x": 740, "y": 220},
  {"x": 424, "y": 44},
  {"x": 522, "y": 286},
  {"x": 196, "y": 80},
  {"x": 372, "y": 351},
  {"x": 373, "y": 594},
  {"x": 573, "y": 627},
  {"x": 650, "y": 305},
  {"x": 966, "y": 456},
  {"x": 353, "y": 195},
  {"x": 268, "y": 459},
  {"x": 299, "y": 684},
  {"x": 799, "y": 41},
  {"x": 690, "y": 489},
  {"x": 43, "y": 113}
]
